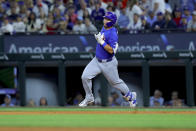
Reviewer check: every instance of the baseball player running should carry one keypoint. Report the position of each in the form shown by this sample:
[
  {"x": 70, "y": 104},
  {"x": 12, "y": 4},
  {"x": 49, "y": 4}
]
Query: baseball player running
[{"x": 105, "y": 62}]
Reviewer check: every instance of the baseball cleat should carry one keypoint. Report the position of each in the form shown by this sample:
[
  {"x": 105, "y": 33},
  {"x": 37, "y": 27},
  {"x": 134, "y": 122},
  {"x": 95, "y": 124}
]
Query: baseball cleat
[
  {"x": 86, "y": 101},
  {"x": 131, "y": 98}
]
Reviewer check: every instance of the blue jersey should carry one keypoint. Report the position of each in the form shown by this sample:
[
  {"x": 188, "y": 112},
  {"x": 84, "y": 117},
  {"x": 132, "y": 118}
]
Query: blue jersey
[{"x": 111, "y": 38}]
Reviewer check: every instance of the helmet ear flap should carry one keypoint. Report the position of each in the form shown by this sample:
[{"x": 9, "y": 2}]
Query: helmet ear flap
[{"x": 109, "y": 24}]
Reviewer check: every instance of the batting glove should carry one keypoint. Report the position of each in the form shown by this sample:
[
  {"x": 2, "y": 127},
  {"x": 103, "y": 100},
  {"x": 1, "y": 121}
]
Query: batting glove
[
  {"x": 100, "y": 39},
  {"x": 96, "y": 36}
]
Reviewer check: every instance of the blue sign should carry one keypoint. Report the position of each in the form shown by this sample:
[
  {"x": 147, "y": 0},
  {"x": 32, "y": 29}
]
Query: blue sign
[{"x": 87, "y": 43}]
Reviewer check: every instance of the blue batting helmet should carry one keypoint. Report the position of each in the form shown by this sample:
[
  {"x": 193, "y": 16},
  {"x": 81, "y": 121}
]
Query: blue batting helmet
[{"x": 111, "y": 16}]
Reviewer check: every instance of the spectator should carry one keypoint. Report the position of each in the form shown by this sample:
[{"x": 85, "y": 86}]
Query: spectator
[
  {"x": 33, "y": 24},
  {"x": 90, "y": 28},
  {"x": 14, "y": 8},
  {"x": 69, "y": 22},
  {"x": 19, "y": 25},
  {"x": 187, "y": 14},
  {"x": 188, "y": 4},
  {"x": 72, "y": 14},
  {"x": 79, "y": 27},
  {"x": 177, "y": 16},
  {"x": 151, "y": 18},
  {"x": 110, "y": 101},
  {"x": 43, "y": 101},
  {"x": 123, "y": 20},
  {"x": 58, "y": 16},
  {"x": 116, "y": 101},
  {"x": 58, "y": 4},
  {"x": 29, "y": 5},
  {"x": 2, "y": 12},
  {"x": 135, "y": 25},
  {"x": 145, "y": 25},
  {"x": 16, "y": 99},
  {"x": 7, "y": 101},
  {"x": 40, "y": 7},
  {"x": 78, "y": 98},
  {"x": 83, "y": 9},
  {"x": 134, "y": 9},
  {"x": 31, "y": 103},
  {"x": 63, "y": 26},
  {"x": 13, "y": 15},
  {"x": 145, "y": 5},
  {"x": 123, "y": 3},
  {"x": 169, "y": 23},
  {"x": 91, "y": 4},
  {"x": 3, "y": 4},
  {"x": 174, "y": 4},
  {"x": 192, "y": 23},
  {"x": 104, "y": 3},
  {"x": 117, "y": 9},
  {"x": 158, "y": 6},
  {"x": 175, "y": 101},
  {"x": 86, "y": 14},
  {"x": 6, "y": 26},
  {"x": 50, "y": 27},
  {"x": 194, "y": 4},
  {"x": 156, "y": 99},
  {"x": 24, "y": 12},
  {"x": 42, "y": 18},
  {"x": 160, "y": 23},
  {"x": 168, "y": 8},
  {"x": 69, "y": 3},
  {"x": 183, "y": 23},
  {"x": 97, "y": 15},
  {"x": 50, "y": 2},
  {"x": 110, "y": 8}
]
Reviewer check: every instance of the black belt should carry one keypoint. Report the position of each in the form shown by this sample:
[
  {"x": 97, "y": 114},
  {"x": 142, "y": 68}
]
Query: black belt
[{"x": 105, "y": 60}]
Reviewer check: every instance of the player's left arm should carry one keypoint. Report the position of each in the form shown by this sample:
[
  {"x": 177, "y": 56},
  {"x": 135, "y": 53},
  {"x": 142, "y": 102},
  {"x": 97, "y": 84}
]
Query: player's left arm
[{"x": 111, "y": 47}]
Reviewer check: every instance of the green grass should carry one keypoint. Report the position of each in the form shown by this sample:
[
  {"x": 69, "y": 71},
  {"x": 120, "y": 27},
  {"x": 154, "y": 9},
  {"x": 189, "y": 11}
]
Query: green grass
[{"x": 185, "y": 121}]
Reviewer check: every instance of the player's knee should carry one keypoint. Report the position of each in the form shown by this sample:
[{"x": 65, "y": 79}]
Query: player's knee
[
  {"x": 113, "y": 83},
  {"x": 84, "y": 77}
]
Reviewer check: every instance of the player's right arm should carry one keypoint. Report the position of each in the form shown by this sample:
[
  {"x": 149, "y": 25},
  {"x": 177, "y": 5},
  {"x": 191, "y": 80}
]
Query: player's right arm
[{"x": 110, "y": 47}]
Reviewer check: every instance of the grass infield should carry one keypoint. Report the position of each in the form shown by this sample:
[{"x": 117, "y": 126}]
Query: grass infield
[{"x": 99, "y": 117}]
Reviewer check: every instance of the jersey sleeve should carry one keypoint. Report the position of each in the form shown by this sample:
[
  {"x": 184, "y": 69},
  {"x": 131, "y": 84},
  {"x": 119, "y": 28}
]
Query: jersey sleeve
[{"x": 113, "y": 41}]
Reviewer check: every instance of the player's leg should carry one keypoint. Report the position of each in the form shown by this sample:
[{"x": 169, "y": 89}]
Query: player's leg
[
  {"x": 110, "y": 71},
  {"x": 90, "y": 71}
]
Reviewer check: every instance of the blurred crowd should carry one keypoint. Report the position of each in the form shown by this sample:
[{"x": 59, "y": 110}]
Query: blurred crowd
[
  {"x": 157, "y": 100},
  {"x": 114, "y": 99},
  {"x": 12, "y": 101},
  {"x": 86, "y": 16}
]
